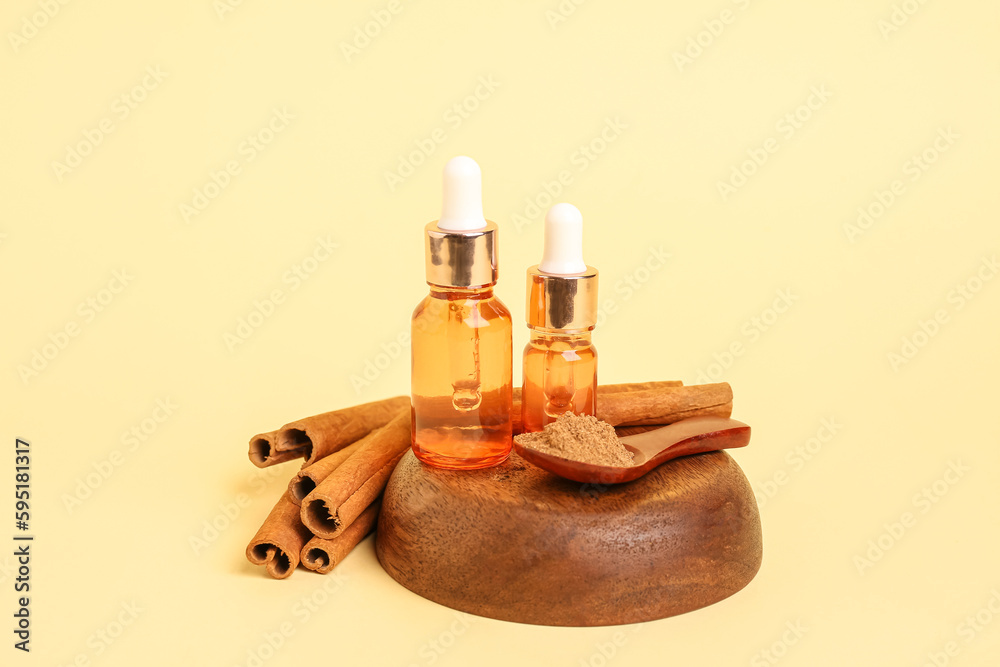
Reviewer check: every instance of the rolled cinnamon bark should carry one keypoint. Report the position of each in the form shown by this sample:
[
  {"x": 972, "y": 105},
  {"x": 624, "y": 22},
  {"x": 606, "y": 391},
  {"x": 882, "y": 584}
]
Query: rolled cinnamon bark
[
  {"x": 278, "y": 544},
  {"x": 309, "y": 477},
  {"x": 326, "y": 433},
  {"x": 323, "y": 555},
  {"x": 665, "y": 405},
  {"x": 340, "y": 498},
  {"x": 262, "y": 453},
  {"x": 320, "y": 435}
]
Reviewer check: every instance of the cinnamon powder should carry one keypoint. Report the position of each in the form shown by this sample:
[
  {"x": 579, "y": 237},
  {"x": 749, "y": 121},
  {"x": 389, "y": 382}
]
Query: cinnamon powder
[{"x": 580, "y": 438}]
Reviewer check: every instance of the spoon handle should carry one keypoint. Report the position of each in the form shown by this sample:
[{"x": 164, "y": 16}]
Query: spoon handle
[{"x": 689, "y": 436}]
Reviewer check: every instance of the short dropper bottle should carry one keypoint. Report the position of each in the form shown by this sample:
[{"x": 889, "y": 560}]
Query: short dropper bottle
[
  {"x": 460, "y": 379},
  {"x": 560, "y": 362}
]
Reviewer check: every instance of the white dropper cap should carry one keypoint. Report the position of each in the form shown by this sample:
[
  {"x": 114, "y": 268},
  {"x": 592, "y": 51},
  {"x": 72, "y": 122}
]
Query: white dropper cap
[
  {"x": 462, "y": 208},
  {"x": 562, "y": 250}
]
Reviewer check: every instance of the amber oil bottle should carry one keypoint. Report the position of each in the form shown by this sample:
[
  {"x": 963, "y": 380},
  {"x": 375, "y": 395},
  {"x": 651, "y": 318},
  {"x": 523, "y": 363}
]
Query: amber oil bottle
[
  {"x": 560, "y": 362},
  {"x": 460, "y": 378}
]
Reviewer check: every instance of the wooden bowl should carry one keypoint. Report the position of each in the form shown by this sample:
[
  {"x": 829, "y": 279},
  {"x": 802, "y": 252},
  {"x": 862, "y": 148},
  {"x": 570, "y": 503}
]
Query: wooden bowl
[{"x": 516, "y": 543}]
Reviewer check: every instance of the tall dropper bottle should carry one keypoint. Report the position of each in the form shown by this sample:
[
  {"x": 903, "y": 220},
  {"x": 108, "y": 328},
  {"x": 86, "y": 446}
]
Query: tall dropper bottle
[
  {"x": 460, "y": 376},
  {"x": 560, "y": 361}
]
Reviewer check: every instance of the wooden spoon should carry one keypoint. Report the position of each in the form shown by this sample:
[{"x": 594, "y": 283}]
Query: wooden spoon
[{"x": 693, "y": 435}]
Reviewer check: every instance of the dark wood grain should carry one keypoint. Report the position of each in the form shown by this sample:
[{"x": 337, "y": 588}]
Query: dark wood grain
[{"x": 517, "y": 543}]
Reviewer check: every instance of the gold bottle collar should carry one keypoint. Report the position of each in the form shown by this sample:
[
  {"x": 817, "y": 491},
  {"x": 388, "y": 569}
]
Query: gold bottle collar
[
  {"x": 568, "y": 303},
  {"x": 461, "y": 259}
]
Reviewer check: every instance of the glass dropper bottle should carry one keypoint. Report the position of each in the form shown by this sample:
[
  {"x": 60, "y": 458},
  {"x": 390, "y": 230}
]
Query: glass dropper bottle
[
  {"x": 560, "y": 362},
  {"x": 460, "y": 376}
]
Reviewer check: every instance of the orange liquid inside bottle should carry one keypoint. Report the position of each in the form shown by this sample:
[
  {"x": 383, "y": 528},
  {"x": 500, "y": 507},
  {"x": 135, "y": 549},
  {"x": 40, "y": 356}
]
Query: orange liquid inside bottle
[
  {"x": 461, "y": 383},
  {"x": 560, "y": 375},
  {"x": 560, "y": 363}
]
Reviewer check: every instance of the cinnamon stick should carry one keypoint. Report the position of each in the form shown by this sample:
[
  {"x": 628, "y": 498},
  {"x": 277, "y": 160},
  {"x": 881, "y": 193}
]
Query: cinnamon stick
[
  {"x": 278, "y": 544},
  {"x": 340, "y": 498},
  {"x": 262, "y": 452},
  {"x": 309, "y": 477},
  {"x": 665, "y": 405},
  {"x": 323, "y": 555},
  {"x": 320, "y": 435}
]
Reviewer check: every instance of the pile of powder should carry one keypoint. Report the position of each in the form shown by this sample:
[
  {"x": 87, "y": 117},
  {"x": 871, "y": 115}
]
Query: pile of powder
[{"x": 580, "y": 438}]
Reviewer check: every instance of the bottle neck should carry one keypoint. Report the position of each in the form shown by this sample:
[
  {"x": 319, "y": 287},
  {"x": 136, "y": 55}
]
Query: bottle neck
[
  {"x": 481, "y": 292},
  {"x": 540, "y": 335}
]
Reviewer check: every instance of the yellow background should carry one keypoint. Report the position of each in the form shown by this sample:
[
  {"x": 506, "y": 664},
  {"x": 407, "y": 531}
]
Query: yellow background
[{"x": 683, "y": 128}]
